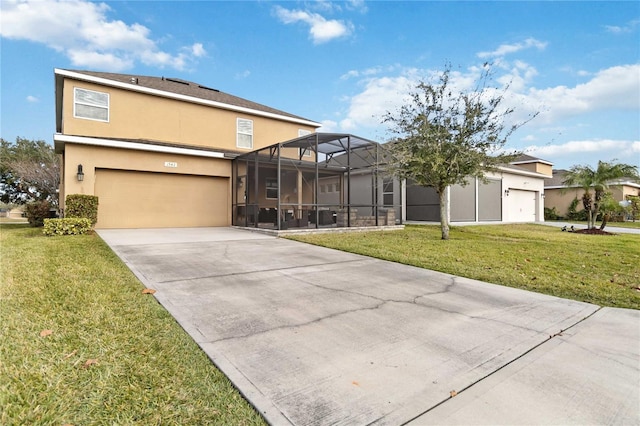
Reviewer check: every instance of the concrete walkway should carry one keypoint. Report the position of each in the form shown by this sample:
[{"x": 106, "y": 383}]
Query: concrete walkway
[{"x": 313, "y": 336}]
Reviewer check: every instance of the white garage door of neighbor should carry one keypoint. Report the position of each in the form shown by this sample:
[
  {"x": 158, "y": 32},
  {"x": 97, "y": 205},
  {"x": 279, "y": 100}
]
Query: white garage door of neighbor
[
  {"x": 522, "y": 206},
  {"x": 131, "y": 199}
]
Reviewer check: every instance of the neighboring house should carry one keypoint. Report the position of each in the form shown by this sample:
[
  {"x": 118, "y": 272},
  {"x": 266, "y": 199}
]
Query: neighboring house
[
  {"x": 513, "y": 194},
  {"x": 158, "y": 151},
  {"x": 560, "y": 196}
]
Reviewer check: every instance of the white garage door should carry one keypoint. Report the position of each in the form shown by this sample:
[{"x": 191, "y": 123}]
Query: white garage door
[
  {"x": 131, "y": 199},
  {"x": 522, "y": 206}
]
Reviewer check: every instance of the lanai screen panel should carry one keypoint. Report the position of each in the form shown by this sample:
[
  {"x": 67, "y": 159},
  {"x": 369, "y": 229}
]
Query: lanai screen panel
[{"x": 317, "y": 180}]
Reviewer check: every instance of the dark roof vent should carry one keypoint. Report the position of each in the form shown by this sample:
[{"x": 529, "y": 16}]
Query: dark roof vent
[
  {"x": 177, "y": 80},
  {"x": 208, "y": 88}
]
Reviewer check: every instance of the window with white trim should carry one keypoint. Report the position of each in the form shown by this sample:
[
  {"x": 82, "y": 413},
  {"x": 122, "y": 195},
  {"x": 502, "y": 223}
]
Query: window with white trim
[
  {"x": 387, "y": 192},
  {"x": 90, "y": 105},
  {"x": 271, "y": 185},
  {"x": 245, "y": 133},
  {"x": 304, "y": 152}
]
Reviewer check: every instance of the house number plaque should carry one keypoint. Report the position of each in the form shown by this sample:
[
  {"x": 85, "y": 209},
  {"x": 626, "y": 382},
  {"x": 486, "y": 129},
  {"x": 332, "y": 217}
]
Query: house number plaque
[{"x": 170, "y": 164}]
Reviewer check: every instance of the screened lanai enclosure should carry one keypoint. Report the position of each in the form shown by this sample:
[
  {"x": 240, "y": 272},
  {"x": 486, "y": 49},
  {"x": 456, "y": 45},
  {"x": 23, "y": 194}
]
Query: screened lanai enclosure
[{"x": 320, "y": 180}]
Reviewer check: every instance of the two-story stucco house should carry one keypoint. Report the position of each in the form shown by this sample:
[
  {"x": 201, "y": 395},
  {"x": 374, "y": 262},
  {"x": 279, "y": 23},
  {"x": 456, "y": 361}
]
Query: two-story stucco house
[{"x": 158, "y": 151}]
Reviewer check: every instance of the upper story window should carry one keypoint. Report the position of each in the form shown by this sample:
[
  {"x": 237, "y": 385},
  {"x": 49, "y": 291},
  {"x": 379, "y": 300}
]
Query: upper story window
[
  {"x": 306, "y": 152},
  {"x": 245, "y": 133},
  {"x": 90, "y": 104}
]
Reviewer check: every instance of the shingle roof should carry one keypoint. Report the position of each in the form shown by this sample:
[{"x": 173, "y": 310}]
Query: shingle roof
[
  {"x": 186, "y": 88},
  {"x": 557, "y": 179},
  {"x": 560, "y": 175},
  {"x": 524, "y": 158}
]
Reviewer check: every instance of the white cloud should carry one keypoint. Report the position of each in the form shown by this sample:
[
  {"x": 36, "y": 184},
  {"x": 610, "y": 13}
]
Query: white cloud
[
  {"x": 505, "y": 49},
  {"x": 380, "y": 95},
  {"x": 357, "y": 5},
  {"x": 328, "y": 126},
  {"x": 83, "y": 32},
  {"x": 613, "y": 88},
  {"x": 321, "y": 30},
  {"x": 32, "y": 99},
  {"x": 628, "y": 28},
  {"x": 606, "y": 149},
  {"x": 197, "y": 50},
  {"x": 575, "y": 152},
  {"x": 242, "y": 75},
  {"x": 368, "y": 72}
]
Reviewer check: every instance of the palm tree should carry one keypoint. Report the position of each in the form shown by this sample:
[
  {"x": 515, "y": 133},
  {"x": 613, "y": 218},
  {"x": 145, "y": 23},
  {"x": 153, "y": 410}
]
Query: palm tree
[{"x": 597, "y": 180}]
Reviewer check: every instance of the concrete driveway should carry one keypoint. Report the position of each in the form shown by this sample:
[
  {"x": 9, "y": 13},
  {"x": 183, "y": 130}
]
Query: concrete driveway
[{"x": 313, "y": 336}]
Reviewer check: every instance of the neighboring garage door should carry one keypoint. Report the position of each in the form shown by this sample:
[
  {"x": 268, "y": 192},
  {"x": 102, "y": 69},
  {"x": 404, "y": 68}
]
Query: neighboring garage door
[
  {"x": 522, "y": 206},
  {"x": 131, "y": 199}
]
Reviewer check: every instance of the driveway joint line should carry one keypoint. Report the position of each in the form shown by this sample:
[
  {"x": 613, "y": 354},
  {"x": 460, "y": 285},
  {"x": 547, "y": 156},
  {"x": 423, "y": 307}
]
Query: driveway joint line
[
  {"x": 259, "y": 271},
  {"x": 558, "y": 334}
]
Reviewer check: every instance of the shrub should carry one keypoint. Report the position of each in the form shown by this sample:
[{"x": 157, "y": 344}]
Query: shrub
[
  {"x": 67, "y": 226},
  {"x": 572, "y": 214},
  {"x": 82, "y": 206},
  {"x": 37, "y": 212},
  {"x": 551, "y": 213}
]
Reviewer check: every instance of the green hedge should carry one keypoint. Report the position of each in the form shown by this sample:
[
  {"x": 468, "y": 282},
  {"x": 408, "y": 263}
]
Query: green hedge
[
  {"x": 80, "y": 205},
  {"x": 67, "y": 226}
]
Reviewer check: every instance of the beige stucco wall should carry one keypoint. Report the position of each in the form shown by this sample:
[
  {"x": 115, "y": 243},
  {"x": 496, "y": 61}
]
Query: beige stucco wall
[
  {"x": 542, "y": 168},
  {"x": 92, "y": 158},
  {"x": 562, "y": 200},
  {"x": 134, "y": 115}
]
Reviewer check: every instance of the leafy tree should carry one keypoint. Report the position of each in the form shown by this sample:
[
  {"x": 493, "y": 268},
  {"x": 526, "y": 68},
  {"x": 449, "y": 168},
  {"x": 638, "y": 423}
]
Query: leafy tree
[
  {"x": 29, "y": 171},
  {"x": 610, "y": 208},
  {"x": 634, "y": 207},
  {"x": 598, "y": 181},
  {"x": 446, "y": 137}
]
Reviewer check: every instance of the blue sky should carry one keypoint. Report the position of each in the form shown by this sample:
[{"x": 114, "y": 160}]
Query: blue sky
[{"x": 345, "y": 64}]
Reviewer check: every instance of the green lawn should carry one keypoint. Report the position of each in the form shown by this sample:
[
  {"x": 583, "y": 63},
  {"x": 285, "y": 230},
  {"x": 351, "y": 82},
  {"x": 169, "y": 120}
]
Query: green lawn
[
  {"x": 604, "y": 270},
  {"x": 113, "y": 355}
]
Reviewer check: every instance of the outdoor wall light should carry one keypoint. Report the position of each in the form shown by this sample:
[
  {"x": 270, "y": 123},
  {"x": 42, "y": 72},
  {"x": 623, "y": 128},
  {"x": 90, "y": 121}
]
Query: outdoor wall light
[
  {"x": 506, "y": 192},
  {"x": 542, "y": 194},
  {"x": 80, "y": 174}
]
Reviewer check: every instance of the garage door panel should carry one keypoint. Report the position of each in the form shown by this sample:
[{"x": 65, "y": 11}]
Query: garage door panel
[
  {"x": 131, "y": 199},
  {"x": 522, "y": 205}
]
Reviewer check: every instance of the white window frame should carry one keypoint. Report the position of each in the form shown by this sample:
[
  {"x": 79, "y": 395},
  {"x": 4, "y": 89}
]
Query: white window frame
[
  {"x": 90, "y": 104},
  {"x": 243, "y": 132},
  {"x": 385, "y": 182},
  {"x": 304, "y": 152},
  {"x": 270, "y": 184}
]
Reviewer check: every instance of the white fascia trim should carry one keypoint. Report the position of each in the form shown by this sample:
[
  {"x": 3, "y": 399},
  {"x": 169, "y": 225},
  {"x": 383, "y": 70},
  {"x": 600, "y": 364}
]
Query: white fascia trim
[
  {"x": 532, "y": 161},
  {"x": 162, "y": 93},
  {"x": 523, "y": 172},
  {"x": 137, "y": 146}
]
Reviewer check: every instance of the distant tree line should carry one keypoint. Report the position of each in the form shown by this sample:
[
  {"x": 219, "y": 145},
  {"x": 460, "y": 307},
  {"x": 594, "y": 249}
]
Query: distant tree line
[{"x": 29, "y": 171}]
